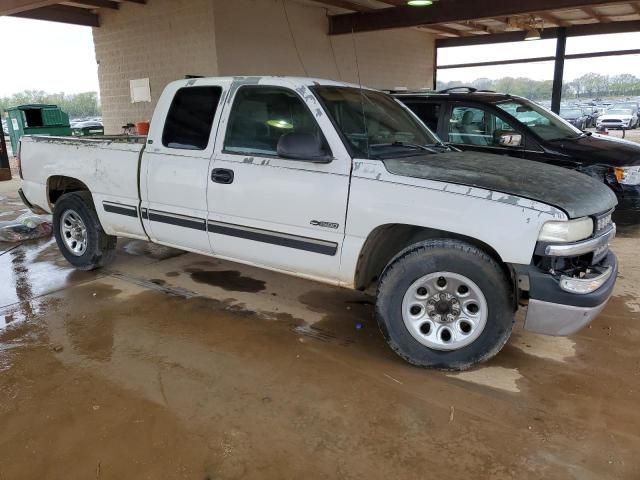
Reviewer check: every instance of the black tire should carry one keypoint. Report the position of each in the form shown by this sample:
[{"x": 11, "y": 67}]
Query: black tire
[
  {"x": 100, "y": 247},
  {"x": 460, "y": 258}
]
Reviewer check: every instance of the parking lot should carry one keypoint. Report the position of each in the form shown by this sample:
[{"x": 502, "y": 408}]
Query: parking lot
[{"x": 174, "y": 365}]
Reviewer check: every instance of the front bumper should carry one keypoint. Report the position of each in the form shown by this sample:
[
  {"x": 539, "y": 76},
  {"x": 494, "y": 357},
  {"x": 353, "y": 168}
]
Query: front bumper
[
  {"x": 613, "y": 124},
  {"x": 559, "y": 320},
  {"x": 554, "y": 311}
]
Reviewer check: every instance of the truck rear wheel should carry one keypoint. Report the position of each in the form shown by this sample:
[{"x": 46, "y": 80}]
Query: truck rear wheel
[
  {"x": 78, "y": 232},
  {"x": 445, "y": 304}
]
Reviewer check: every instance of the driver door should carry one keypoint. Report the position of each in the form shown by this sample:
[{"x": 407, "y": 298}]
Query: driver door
[
  {"x": 270, "y": 211},
  {"x": 474, "y": 128}
]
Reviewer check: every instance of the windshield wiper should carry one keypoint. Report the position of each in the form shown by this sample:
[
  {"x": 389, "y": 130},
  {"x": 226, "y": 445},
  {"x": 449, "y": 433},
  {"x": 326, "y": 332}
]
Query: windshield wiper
[{"x": 414, "y": 146}]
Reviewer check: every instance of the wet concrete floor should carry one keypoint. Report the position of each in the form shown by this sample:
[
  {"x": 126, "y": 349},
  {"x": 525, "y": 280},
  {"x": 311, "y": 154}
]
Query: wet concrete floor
[{"x": 171, "y": 365}]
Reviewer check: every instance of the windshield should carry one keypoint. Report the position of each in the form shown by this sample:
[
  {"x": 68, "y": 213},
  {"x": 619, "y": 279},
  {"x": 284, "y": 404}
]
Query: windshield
[
  {"x": 619, "y": 111},
  {"x": 374, "y": 125},
  {"x": 542, "y": 122}
]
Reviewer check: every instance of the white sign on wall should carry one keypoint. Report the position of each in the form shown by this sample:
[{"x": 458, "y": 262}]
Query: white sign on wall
[{"x": 140, "y": 90}]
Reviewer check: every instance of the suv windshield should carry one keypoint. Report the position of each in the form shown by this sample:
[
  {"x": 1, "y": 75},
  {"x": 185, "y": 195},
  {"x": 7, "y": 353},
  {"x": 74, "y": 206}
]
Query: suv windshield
[
  {"x": 542, "y": 122},
  {"x": 374, "y": 125}
]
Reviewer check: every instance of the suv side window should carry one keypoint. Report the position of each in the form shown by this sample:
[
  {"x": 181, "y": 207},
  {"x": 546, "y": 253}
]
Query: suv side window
[
  {"x": 188, "y": 123},
  {"x": 261, "y": 115},
  {"x": 429, "y": 113},
  {"x": 478, "y": 127}
]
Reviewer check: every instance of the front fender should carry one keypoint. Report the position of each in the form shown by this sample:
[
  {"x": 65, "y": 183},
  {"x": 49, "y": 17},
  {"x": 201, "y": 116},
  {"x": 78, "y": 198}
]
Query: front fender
[{"x": 509, "y": 225}]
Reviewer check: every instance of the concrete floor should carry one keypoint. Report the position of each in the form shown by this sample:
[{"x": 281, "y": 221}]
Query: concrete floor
[{"x": 171, "y": 365}]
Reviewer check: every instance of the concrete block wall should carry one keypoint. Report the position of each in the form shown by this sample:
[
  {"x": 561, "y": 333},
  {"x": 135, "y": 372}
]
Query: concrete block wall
[{"x": 165, "y": 40}]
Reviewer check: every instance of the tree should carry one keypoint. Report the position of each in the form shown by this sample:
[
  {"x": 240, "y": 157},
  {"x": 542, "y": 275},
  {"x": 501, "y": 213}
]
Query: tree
[
  {"x": 76, "y": 105},
  {"x": 591, "y": 85}
]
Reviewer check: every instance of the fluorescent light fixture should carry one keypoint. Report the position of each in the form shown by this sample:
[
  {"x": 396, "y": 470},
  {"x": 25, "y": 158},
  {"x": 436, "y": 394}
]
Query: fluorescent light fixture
[
  {"x": 420, "y": 3},
  {"x": 532, "y": 34}
]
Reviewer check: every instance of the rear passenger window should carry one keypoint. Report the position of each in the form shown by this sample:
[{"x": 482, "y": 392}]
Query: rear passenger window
[
  {"x": 429, "y": 113},
  {"x": 261, "y": 115},
  {"x": 190, "y": 117}
]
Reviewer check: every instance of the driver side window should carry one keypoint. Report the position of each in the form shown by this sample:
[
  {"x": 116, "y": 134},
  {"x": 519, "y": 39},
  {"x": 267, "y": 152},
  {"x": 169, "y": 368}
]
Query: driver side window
[
  {"x": 262, "y": 115},
  {"x": 478, "y": 127}
]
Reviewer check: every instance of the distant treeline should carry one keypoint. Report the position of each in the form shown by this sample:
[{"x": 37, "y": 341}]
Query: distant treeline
[
  {"x": 76, "y": 105},
  {"x": 589, "y": 86}
]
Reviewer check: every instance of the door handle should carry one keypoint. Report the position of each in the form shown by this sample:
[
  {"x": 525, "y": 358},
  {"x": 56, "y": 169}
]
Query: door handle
[{"x": 222, "y": 175}]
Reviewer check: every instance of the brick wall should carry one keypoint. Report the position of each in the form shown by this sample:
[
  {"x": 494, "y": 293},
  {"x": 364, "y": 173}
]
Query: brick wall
[
  {"x": 167, "y": 39},
  {"x": 163, "y": 40},
  {"x": 253, "y": 38}
]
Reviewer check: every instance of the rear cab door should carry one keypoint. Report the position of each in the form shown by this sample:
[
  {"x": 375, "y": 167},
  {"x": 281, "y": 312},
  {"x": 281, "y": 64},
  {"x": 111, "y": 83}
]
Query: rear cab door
[
  {"x": 175, "y": 166},
  {"x": 270, "y": 211}
]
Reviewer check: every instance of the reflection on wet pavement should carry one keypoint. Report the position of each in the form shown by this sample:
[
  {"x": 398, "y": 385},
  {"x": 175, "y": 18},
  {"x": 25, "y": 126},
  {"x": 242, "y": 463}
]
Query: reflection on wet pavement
[{"x": 171, "y": 365}]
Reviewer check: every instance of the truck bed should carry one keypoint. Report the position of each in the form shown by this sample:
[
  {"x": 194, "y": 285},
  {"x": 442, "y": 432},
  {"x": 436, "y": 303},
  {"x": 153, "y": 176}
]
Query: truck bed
[{"x": 107, "y": 165}]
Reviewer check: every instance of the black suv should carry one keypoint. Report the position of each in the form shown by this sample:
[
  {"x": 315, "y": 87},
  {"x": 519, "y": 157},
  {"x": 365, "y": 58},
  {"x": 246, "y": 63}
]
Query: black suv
[{"x": 503, "y": 124}]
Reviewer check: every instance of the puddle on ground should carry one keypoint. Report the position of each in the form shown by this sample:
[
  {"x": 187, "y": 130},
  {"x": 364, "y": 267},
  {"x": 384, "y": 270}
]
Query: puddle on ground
[
  {"x": 558, "y": 349},
  {"x": 495, "y": 377},
  {"x": 31, "y": 270},
  {"x": 248, "y": 395},
  {"x": 141, "y": 248},
  {"x": 230, "y": 280}
]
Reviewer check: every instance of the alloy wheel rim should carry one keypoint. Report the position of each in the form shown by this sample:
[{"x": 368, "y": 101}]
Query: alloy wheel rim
[
  {"x": 74, "y": 232},
  {"x": 444, "y": 311}
]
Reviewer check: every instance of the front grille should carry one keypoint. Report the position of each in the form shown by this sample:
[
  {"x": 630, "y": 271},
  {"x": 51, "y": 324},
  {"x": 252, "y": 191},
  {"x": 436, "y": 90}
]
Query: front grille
[
  {"x": 611, "y": 120},
  {"x": 603, "y": 222}
]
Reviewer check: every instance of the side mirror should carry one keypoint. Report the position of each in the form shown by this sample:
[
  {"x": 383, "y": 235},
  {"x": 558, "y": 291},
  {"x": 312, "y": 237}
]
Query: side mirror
[
  {"x": 507, "y": 139},
  {"x": 304, "y": 147}
]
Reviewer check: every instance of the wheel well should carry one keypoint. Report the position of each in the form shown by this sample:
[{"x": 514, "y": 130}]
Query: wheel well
[
  {"x": 58, "y": 185},
  {"x": 386, "y": 241}
]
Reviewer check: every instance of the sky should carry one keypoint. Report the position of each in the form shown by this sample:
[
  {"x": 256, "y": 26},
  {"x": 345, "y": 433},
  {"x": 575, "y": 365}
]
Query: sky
[
  {"x": 542, "y": 48},
  {"x": 48, "y": 56},
  {"x": 55, "y": 57}
]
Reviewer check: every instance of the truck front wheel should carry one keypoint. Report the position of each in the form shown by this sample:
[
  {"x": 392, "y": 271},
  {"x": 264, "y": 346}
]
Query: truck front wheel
[
  {"x": 445, "y": 304},
  {"x": 79, "y": 234}
]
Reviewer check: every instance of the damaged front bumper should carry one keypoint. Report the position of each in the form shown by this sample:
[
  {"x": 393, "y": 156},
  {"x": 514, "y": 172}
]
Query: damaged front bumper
[
  {"x": 555, "y": 311},
  {"x": 568, "y": 285}
]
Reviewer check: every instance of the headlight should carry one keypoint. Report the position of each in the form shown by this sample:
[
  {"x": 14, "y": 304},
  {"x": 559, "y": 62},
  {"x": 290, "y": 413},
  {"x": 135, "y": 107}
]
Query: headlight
[
  {"x": 628, "y": 175},
  {"x": 566, "y": 231}
]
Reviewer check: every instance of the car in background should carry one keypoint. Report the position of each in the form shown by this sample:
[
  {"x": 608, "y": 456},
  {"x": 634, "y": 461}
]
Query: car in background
[
  {"x": 633, "y": 105},
  {"x": 505, "y": 124},
  {"x": 86, "y": 128},
  {"x": 575, "y": 116},
  {"x": 618, "y": 118}
]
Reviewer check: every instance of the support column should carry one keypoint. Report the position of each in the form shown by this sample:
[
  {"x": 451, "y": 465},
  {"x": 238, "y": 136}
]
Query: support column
[
  {"x": 5, "y": 171},
  {"x": 558, "y": 73}
]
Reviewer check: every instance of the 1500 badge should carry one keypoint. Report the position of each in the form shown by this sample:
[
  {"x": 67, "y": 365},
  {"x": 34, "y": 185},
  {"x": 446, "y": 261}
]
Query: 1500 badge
[{"x": 316, "y": 223}]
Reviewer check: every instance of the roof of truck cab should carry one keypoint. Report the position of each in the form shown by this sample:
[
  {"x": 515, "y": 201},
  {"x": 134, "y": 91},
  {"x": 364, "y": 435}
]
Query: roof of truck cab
[{"x": 267, "y": 79}]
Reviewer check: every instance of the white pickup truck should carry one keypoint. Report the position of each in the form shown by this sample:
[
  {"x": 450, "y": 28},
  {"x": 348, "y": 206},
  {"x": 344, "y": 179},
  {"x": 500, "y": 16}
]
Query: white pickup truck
[{"x": 343, "y": 185}]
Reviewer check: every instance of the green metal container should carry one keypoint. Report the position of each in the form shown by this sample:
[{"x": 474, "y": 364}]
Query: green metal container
[{"x": 36, "y": 119}]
